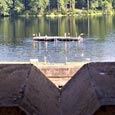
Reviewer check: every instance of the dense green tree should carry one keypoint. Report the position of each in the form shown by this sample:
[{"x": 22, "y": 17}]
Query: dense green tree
[
  {"x": 12, "y": 7},
  {"x": 94, "y": 4},
  {"x": 113, "y": 4},
  {"x": 37, "y": 6},
  {"x": 3, "y": 8},
  {"x": 106, "y": 6},
  {"x": 17, "y": 6},
  {"x": 62, "y": 4},
  {"x": 81, "y": 4},
  {"x": 26, "y": 4},
  {"x": 53, "y": 4}
]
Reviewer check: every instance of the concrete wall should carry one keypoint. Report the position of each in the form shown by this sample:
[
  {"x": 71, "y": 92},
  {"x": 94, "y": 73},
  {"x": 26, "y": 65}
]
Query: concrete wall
[
  {"x": 59, "y": 75},
  {"x": 27, "y": 87}
]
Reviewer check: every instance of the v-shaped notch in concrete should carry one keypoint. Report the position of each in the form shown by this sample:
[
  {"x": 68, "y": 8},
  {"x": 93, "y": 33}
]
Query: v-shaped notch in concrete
[
  {"x": 25, "y": 86},
  {"x": 59, "y": 75}
]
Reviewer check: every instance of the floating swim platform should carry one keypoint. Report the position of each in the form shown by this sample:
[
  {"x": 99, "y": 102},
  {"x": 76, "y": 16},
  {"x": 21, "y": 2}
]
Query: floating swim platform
[{"x": 56, "y": 38}]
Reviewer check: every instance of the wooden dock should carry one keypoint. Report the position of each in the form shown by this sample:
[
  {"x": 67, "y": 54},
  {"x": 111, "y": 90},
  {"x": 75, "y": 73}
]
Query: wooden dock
[{"x": 55, "y": 38}]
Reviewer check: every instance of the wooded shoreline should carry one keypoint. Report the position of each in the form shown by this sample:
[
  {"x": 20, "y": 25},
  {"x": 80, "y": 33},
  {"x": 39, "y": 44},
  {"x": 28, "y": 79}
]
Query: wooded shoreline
[{"x": 56, "y": 7}]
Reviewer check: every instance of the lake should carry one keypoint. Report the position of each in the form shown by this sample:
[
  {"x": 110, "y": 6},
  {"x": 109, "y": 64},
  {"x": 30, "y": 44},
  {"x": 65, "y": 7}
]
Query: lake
[{"x": 16, "y": 43}]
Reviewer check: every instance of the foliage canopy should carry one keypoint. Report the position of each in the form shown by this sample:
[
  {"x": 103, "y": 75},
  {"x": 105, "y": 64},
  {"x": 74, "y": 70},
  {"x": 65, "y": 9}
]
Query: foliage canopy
[{"x": 16, "y": 7}]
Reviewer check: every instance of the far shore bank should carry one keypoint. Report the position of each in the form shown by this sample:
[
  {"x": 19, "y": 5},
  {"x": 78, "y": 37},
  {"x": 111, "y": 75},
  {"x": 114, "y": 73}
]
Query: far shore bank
[{"x": 76, "y": 12}]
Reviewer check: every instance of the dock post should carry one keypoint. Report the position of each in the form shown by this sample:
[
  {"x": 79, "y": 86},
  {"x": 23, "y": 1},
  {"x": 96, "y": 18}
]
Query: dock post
[
  {"x": 68, "y": 34},
  {"x": 66, "y": 60},
  {"x": 55, "y": 41},
  {"x": 65, "y": 35},
  {"x": 39, "y": 43},
  {"x": 46, "y": 45},
  {"x": 39, "y": 33},
  {"x": 76, "y": 35},
  {"x": 45, "y": 59},
  {"x": 65, "y": 52},
  {"x": 46, "y": 37}
]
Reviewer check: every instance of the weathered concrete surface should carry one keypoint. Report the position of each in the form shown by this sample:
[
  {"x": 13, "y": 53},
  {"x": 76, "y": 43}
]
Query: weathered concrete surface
[
  {"x": 59, "y": 75},
  {"x": 102, "y": 75},
  {"x": 25, "y": 86},
  {"x": 78, "y": 96},
  {"x": 92, "y": 87},
  {"x": 12, "y": 83},
  {"x": 41, "y": 95}
]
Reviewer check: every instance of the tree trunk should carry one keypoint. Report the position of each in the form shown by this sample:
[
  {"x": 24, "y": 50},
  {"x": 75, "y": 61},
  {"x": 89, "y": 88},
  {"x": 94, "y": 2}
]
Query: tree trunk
[
  {"x": 13, "y": 3},
  {"x": 87, "y": 4},
  {"x": 72, "y": 5},
  {"x": 58, "y": 5}
]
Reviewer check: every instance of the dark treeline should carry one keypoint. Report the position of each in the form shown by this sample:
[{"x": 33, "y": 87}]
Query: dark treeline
[{"x": 35, "y": 7}]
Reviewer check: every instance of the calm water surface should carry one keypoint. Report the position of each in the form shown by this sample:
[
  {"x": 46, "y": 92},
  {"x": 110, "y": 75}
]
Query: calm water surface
[{"x": 16, "y": 42}]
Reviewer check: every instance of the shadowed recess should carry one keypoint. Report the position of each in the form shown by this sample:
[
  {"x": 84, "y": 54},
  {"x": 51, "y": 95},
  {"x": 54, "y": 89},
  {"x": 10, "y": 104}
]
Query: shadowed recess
[
  {"x": 11, "y": 111},
  {"x": 106, "y": 110}
]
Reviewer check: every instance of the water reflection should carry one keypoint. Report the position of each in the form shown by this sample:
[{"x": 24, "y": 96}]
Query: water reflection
[
  {"x": 59, "y": 51},
  {"x": 16, "y": 42}
]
